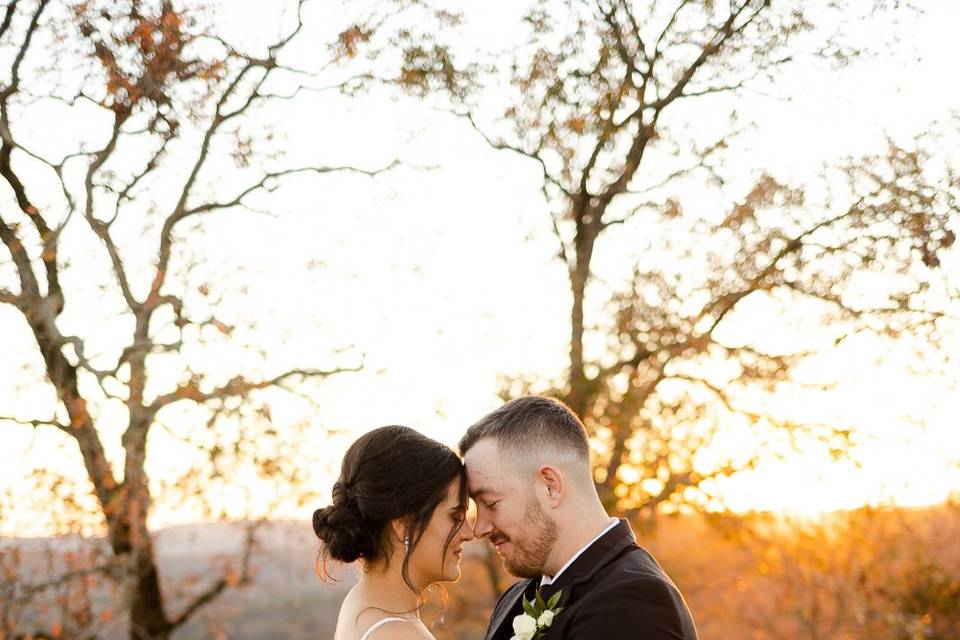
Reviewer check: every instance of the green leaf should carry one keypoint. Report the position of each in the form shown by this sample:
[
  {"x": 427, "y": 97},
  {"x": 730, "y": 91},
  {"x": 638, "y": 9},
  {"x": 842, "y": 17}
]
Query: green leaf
[
  {"x": 554, "y": 599},
  {"x": 528, "y": 608},
  {"x": 541, "y": 605}
]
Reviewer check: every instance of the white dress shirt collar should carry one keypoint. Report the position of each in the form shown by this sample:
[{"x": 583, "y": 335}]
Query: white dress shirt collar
[{"x": 545, "y": 580}]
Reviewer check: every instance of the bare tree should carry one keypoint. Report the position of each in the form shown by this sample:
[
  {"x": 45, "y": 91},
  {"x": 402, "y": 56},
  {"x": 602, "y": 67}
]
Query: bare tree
[
  {"x": 603, "y": 98},
  {"x": 168, "y": 132}
]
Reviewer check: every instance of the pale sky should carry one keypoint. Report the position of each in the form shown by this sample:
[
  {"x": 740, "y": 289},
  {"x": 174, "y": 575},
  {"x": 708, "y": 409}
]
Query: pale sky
[{"x": 445, "y": 279}]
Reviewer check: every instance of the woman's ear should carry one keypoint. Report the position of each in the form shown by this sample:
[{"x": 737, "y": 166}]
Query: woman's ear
[
  {"x": 399, "y": 530},
  {"x": 401, "y": 534}
]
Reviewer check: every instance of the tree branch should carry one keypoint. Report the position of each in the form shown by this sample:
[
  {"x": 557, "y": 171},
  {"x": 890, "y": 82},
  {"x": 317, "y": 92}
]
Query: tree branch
[
  {"x": 623, "y": 431},
  {"x": 503, "y": 146},
  {"x": 14, "y": 85},
  {"x": 102, "y": 229},
  {"x": 720, "y": 393},
  {"x": 635, "y": 32},
  {"x": 230, "y": 579},
  {"x": 280, "y": 44},
  {"x": 262, "y": 184},
  {"x": 28, "y": 280},
  {"x": 238, "y": 387},
  {"x": 657, "y": 51},
  {"x": 8, "y": 297},
  {"x": 47, "y": 236},
  {"x": 720, "y": 37},
  {"x": 8, "y": 16},
  {"x": 646, "y": 130},
  {"x": 837, "y": 301},
  {"x": 29, "y": 591},
  {"x": 729, "y": 300},
  {"x": 703, "y": 157},
  {"x": 609, "y": 17},
  {"x": 40, "y": 423},
  {"x": 180, "y": 209},
  {"x": 151, "y": 164}
]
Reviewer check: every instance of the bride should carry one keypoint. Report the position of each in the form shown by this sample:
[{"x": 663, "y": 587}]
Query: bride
[{"x": 399, "y": 508}]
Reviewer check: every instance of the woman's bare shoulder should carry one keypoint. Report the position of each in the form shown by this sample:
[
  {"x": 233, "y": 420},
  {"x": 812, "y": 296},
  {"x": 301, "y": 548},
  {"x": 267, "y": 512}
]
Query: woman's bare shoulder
[
  {"x": 358, "y": 617},
  {"x": 387, "y": 628}
]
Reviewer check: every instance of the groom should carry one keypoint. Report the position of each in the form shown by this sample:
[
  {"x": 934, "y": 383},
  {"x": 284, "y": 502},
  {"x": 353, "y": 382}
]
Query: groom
[{"x": 528, "y": 470}]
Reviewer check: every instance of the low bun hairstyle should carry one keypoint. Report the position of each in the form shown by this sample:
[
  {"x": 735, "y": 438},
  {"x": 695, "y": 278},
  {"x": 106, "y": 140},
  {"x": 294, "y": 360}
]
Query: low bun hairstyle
[
  {"x": 342, "y": 528},
  {"x": 390, "y": 473}
]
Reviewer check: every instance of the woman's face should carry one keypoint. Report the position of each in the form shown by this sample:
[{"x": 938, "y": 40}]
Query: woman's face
[{"x": 428, "y": 562}]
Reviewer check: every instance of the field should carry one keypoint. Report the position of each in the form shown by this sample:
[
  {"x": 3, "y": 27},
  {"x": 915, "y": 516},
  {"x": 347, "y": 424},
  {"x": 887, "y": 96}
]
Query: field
[{"x": 878, "y": 574}]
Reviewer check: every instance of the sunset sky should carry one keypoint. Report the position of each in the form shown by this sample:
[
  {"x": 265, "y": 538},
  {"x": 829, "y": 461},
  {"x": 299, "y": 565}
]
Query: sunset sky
[{"x": 442, "y": 273}]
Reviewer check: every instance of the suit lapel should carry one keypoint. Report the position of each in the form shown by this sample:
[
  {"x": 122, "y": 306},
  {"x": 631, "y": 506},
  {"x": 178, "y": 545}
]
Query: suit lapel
[
  {"x": 598, "y": 555},
  {"x": 508, "y": 605}
]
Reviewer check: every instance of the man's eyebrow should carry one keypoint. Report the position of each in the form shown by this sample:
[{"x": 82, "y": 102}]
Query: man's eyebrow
[{"x": 481, "y": 491}]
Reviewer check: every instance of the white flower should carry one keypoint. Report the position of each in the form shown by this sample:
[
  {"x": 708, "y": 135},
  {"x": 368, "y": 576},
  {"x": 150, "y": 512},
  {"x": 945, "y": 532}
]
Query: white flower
[
  {"x": 545, "y": 619},
  {"x": 524, "y": 627}
]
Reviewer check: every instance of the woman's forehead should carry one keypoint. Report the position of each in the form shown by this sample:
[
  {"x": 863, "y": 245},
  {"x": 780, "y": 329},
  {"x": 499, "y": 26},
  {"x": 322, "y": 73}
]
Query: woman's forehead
[{"x": 453, "y": 492}]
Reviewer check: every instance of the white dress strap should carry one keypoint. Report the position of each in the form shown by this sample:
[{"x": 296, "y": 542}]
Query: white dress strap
[{"x": 378, "y": 624}]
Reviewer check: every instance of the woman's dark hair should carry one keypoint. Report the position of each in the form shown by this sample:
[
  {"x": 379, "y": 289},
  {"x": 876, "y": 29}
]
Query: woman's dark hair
[{"x": 387, "y": 474}]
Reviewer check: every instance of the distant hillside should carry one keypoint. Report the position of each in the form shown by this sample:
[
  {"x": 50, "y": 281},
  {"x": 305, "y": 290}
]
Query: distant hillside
[
  {"x": 286, "y": 598},
  {"x": 877, "y": 574}
]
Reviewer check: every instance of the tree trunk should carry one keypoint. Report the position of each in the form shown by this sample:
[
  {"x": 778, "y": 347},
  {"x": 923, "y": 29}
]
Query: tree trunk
[
  {"x": 147, "y": 619},
  {"x": 588, "y": 228},
  {"x": 130, "y": 538},
  {"x": 577, "y": 393}
]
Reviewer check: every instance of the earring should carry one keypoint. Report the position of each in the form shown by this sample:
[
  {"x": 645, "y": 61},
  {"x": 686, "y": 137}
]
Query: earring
[{"x": 406, "y": 546}]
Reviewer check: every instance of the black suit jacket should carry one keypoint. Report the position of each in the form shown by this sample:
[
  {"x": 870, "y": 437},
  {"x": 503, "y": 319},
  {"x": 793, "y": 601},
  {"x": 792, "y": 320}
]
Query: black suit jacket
[{"x": 615, "y": 589}]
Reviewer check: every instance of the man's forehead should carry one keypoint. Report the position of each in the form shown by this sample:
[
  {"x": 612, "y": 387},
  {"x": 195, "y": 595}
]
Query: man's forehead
[
  {"x": 480, "y": 482},
  {"x": 485, "y": 473},
  {"x": 482, "y": 460},
  {"x": 484, "y": 448}
]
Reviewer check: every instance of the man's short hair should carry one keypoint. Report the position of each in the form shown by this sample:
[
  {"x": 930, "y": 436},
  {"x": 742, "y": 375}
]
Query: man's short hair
[{"x": 529, "y": 423}]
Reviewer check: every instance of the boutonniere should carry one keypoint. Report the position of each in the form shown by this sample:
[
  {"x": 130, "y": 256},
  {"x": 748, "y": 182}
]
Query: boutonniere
[{"x": 537, "y": 616}]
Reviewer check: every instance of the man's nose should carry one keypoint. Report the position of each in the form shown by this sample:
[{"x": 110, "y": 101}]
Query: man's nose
[{"x": 482, "y": 527}]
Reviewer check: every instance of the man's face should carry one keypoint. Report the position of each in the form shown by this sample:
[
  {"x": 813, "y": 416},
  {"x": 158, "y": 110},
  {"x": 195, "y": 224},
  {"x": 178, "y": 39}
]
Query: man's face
[{"x": 508, "y": 512}]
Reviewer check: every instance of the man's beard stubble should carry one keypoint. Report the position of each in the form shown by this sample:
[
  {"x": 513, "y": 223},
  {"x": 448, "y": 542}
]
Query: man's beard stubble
[{"x": 529, "y": 558}]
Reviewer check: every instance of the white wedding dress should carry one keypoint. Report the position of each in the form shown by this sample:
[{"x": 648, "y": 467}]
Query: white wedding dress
[{"x": 378, "y": 624}]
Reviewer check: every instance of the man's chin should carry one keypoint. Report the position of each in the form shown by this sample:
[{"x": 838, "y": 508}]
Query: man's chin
[{"x": 520, "y": 570}]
